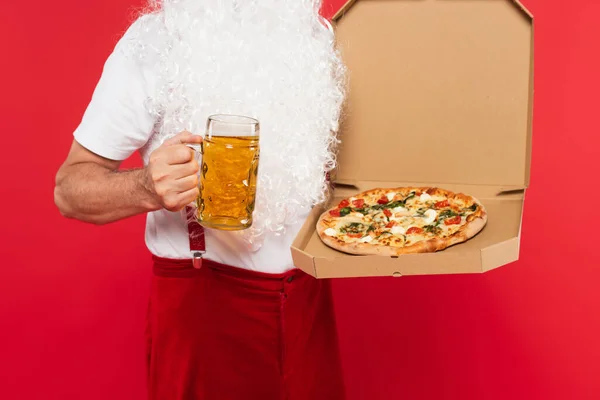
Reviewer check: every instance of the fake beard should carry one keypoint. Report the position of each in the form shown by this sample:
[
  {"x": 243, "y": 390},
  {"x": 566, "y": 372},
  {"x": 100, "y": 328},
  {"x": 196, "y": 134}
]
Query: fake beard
[{"x": 273, "y": 60}]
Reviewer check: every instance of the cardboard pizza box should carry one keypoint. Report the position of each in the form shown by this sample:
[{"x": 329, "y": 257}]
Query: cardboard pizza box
[{"x": 440, "y": 94}]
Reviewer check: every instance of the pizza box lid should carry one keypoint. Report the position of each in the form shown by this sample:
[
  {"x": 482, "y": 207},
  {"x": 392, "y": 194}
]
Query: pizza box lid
[{"x": 440, "y": 93}]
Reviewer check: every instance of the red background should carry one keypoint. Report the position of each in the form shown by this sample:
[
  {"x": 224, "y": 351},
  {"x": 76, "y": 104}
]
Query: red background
[{"x": 72, "y": 318}]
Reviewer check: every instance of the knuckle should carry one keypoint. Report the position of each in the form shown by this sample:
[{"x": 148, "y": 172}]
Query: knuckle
[
  {"x": 193, "y": 195},
  {"x": 161, "y": 191},
  {"x": 184, "y": 153},
  {"x": 171, "y": 204},
  {"x": 156, "y": 176},
  {"x": 156, "y": 154},
  {"x": 173, "y": 139}
]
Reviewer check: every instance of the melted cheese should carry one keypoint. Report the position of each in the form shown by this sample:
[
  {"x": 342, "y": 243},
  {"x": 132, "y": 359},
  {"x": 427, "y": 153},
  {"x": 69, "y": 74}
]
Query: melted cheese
[
  {"x": 404, "y": 217},
  {"x": 398, "y": 230},
  {"x": 366, "y": 239},
  {"x": 430, "y": 216},
  {"x": 352, "y": 217},
  {"x": 424, "y": 197},
  {"x": 380, "y": 217},
  {"x": 330, "y": 232},
  {"x": 448, "y": 230}
]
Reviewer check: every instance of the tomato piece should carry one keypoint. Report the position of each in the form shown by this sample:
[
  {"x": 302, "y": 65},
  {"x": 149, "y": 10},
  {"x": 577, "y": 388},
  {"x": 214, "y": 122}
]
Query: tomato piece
[
  {"x": 335, "y": 213},
  {"x": 453, "y": 221},
  {"x": 383, "y": 200},
  {"x": 355, "y": 235},
  {"x": 413, "y": 230},
  {"x": 358, "y": 203},
  {"x": 390, "y": 224},
  {"x": 343, "y": 204},
  {"x": 387, "y": 212},
  {"x": 442, "y": 204}
]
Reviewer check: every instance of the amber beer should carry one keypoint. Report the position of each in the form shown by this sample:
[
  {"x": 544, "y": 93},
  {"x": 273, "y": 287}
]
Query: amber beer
[{"x": 228, "y": 174}]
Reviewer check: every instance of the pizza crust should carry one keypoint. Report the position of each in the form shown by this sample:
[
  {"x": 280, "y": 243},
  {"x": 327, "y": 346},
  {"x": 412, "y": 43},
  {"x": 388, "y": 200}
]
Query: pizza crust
[{"x": 475, "y": 223}]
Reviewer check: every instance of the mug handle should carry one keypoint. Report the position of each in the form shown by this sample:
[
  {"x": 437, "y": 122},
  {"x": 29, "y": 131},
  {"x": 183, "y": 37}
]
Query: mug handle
[
  {"x": 198, "y": 150},
  {"x": 196, "y": 147}
]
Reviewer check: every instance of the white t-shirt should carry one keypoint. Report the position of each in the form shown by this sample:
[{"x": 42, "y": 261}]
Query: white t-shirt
[{"x": 116, "y": 124}]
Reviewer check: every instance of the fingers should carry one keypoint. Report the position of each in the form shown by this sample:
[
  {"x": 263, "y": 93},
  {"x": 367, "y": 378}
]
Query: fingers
[
  {"x": 178, "y": 154},
  {"x": 175, "y": 194},
  {"x": 184, "y": 137},
  {"x": 166, "y": 186},
  {"x": 176, "y": 202},
  {"x": 183, "y": 170},
  {"x": 173, "y": 170},
  {"x": 189, "y": 196},
  {"x": 185, "y": 184}
]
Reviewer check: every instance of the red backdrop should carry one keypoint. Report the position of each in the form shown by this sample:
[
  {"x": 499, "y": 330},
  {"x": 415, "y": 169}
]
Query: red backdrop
[{"x": 72, "y": 318}]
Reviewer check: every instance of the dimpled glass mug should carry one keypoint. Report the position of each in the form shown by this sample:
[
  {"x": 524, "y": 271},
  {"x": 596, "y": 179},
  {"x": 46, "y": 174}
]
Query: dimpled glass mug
[{"x": 228, "y": 173}]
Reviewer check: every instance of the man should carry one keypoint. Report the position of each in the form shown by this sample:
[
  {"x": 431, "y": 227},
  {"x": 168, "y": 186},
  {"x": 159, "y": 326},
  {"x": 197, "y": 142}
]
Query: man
[{"x": 243, "y": 323}]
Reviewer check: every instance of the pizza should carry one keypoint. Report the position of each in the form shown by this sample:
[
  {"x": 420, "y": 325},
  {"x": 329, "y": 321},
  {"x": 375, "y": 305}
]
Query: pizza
[{"x": 403, "y": 220}]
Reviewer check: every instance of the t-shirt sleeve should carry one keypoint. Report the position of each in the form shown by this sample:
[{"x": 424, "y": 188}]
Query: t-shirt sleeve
[{"x": 116, "y": 122}]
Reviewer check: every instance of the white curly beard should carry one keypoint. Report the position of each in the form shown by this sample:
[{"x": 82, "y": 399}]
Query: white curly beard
[{"x": 274, "y": 60}]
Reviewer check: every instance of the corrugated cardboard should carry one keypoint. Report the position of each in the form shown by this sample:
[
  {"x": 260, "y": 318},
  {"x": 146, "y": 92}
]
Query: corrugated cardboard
[{"x": 440, "y": 94}]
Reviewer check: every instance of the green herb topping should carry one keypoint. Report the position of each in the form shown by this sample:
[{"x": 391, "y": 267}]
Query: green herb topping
[
  {"x": 345, "y": 211},
  {"x": 431, "y": 228},
  {"x": 393, "y": 204},
  {"x": 445, "y": 214},
  {"x": 472, "y": 208},
  {"x": 383, "y": 233},
  {"x": 354, "y": 227}
]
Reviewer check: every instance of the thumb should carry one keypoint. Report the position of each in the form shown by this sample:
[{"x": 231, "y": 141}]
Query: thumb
[{"x": 184, "y": 137}]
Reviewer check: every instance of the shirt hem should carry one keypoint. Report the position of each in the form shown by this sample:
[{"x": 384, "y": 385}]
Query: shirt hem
[{"x": 97, "y": 147}]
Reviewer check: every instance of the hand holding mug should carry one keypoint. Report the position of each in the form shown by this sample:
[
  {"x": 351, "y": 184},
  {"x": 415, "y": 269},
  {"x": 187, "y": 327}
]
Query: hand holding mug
[{"x": 172, "y": 172}]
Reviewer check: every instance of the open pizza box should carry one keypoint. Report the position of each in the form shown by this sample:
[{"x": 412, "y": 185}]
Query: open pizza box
[{"x": 440, "y": 94}]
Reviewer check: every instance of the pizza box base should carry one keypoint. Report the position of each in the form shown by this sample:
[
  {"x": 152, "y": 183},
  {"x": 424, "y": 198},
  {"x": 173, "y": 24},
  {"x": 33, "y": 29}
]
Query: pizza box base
[{"x": 496, "y": 245}]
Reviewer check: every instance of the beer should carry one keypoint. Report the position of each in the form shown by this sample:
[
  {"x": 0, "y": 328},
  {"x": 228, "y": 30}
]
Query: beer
[{"x": 228, "y": 181}]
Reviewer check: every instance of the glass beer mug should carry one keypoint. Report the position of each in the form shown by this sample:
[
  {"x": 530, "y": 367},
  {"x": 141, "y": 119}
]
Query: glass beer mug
[{"x": 228, "y": 174}]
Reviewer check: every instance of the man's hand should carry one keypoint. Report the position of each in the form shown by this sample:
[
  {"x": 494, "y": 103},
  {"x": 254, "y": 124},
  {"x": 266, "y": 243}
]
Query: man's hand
[
  {"x": 171, "y": 174},
  {"x": 91, "y": 188}
]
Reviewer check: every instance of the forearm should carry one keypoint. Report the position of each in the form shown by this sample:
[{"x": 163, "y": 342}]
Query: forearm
[{"x": 92, "y": 193}]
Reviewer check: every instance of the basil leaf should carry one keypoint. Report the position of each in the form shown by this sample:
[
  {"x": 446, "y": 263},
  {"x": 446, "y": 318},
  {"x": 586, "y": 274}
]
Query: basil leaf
[
  {"x": 410, "y": 196},
  {"x": 394, "y": 204},
  {"x": 447, "y": 214},
  {"x": 345, "y": 211},
  {"x": 354, "y": 227},
  {"x": 431, "y": 228}
]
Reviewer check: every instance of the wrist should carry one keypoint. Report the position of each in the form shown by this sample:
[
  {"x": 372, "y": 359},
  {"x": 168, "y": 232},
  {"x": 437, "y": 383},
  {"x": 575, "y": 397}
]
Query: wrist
[{"x": 150, "y": 200}]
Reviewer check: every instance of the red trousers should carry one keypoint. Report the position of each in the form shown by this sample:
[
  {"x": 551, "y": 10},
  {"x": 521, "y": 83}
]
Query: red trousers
[{"x": 222, "y": 333}]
